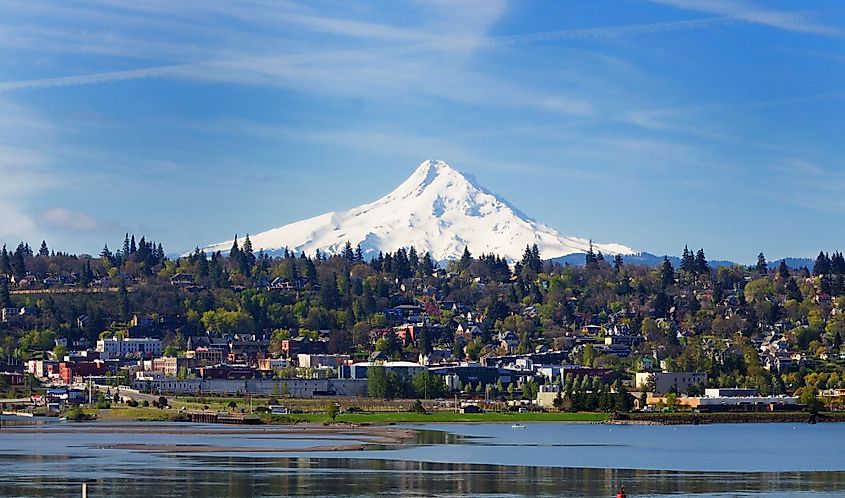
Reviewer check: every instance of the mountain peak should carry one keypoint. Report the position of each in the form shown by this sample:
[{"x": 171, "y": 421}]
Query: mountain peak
[
  {"x": 438, "y": 210},
  {"x": 428, "y": 173}
]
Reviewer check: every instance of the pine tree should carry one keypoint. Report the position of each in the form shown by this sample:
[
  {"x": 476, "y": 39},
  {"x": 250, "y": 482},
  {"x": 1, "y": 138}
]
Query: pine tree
[
  {"x": 122, "y": 301},
  {"x": 359, "y": 254},
  {"x": 310, "y": 270},
  {"x": 783, "y": 270},
  {"x": 590, "y": 259},
  {"x": 762, "y": 267},
  {"x": 5, "y": 296},
  {"x": 87, "y": 275},
  {"x": 701, "y": 266},
  {"x": 125, "y": 250},
  {"x": 837, "y": 263},
  {"x": 5, "y": 262},
  {"x": 247, "y": 257},
  {"x": 822, "y": 265},
  {"x": 537, "y": 263},
  {"x": 18, "y": 262},
  {"x": 132, "y": 247},
  {"x": 618, "y": 263},
  {"x": 234, "y": 252},
  {"x": 44, "y": 251},
  {"x": 792, "y": 291},
  {"x": 348, "y": 254},
  {"x": 106, "y": 255},
  {"x": 688, "y": 261},
  {"x": 466, "y": 259},
  {"x": 667, "y": 273},
  {"x": 427, "y": 265},
  {"x": 413, "y": 260}
]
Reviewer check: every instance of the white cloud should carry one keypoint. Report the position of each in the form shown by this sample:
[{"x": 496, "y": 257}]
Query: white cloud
[
  {"x": 72, "y": 221},
  {"x": 802, "y": 22}
]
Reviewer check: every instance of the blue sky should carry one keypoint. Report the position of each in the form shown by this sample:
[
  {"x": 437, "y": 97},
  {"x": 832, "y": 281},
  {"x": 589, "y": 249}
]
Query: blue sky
[{"x": 715, "y": 123}]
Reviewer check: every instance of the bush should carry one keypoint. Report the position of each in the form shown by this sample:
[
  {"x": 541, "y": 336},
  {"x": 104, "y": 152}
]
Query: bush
[
  {"x": 77, "y": 415},
  {"x": 417, "y": 407}
]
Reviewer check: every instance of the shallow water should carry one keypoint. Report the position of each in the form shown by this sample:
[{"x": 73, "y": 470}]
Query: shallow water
[{"x": 449, "y": 460}]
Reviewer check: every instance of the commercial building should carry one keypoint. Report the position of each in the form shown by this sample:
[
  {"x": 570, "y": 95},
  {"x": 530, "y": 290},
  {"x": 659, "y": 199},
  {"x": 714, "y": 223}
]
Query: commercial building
[
  {"x": 118, "y": 347},
  {"x": 404, "y": 369},
  {"x": 665, "y": 382}
]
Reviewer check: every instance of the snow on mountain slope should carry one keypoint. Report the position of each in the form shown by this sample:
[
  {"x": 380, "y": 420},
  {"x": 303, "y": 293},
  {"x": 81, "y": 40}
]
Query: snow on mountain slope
[{"x": 437, "y": 209}]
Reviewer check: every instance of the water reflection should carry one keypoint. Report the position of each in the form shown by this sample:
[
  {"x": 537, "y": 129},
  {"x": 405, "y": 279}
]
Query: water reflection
[{"x": 215, "y": 476}]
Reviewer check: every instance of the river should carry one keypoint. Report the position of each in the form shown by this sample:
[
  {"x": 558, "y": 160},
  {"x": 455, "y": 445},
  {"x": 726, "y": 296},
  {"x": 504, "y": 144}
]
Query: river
[{"x": 453, "y": 460}]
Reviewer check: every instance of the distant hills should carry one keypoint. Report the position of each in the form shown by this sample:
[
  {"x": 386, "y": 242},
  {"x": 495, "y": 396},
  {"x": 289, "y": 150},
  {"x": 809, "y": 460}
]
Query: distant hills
[{"x": 648, "y": 259}]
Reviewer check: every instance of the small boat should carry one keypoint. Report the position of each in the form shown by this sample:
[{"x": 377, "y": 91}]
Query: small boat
[
  {"x": 518, "y": 426},
  {"x": 622, "y": 493}
]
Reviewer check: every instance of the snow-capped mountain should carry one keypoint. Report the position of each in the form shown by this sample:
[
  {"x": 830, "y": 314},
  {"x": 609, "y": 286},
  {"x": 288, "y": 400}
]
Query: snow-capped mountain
[{"x": 437, "y": 209}]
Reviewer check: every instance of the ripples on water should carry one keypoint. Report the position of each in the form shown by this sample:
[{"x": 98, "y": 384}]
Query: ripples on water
[{"x": 41, "y": 465}]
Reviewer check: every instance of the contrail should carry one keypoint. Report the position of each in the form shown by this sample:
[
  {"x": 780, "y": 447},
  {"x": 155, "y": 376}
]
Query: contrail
[{"x": 190, "y": 70}]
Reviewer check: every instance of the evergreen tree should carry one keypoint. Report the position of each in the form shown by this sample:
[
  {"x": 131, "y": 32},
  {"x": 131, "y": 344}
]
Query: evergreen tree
[
  {"x": 132, "y": 247},
  {"x": 701, "y": 265},
  {"x": 5, "y": 296},
  {"x": 667, "y": 273},
  {"x": 590, "y": 258},
  {"x": 535, "y": 259},
  {"x": 837, "y": 263},
  {"x": 5, "y": 262},
  {"x": 688, "y": 261},
  {"x": 792, "y": 291},
  {"x": 125, "y": 250},
  {"x": 347, "y": 252},
  {"x": 87, "y": 275},
  {"x": 822, "y": 265},
  {"x": 618, "y": 262},
  {"x": 44, "y": 251},
  {"x": 466, "y": 259},
  {"x": 413, "y": 260},
  {"x": 202, "y": 264},
  {"x": 122, "y": 301},
  {"x": 783, "y": 270},
  {"x": 18, "y": 262},
  {"x": 247, "y": 257},
  {"x": 310, "y": 270},
  {"x": 234, "y": 252},
  {"x": 359, "y": 254},
  {"x": 762, "y": 267},
  {"x": 107, "y": 255},
  {"x": 427, "y": 265},
  {"x": 824, "y": 285}
]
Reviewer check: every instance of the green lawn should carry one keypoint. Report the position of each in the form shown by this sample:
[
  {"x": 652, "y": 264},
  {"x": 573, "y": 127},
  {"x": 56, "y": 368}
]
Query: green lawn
[{"x": 433, "y": 418}]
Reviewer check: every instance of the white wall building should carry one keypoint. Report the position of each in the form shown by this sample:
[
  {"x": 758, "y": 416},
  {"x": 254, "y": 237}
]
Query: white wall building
[
  {"x": 665, "y": 382},
  {"x": 117, "y": 347}
]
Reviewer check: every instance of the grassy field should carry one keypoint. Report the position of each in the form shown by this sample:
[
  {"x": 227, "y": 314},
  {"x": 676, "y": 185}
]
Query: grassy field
[
  {"x": 451, "y": 417},
  {"x": 119, "y": 413}
]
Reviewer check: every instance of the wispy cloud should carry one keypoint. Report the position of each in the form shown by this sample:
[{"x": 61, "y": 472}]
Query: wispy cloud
[
  {"x": 274, "y": 69},
  {"x": 802, "y": 22},
  {"x": 72, "y": 221}
]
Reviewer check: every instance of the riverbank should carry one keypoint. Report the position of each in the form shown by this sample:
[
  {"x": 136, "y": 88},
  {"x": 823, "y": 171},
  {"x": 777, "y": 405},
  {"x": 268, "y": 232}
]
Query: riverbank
[
  {"x": 690, "y": 418},
  {"x": 142, "y": 414}
]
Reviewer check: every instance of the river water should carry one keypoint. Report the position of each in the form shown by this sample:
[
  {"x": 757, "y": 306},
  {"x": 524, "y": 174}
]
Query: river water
[{"x": 453, "y": 460}]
